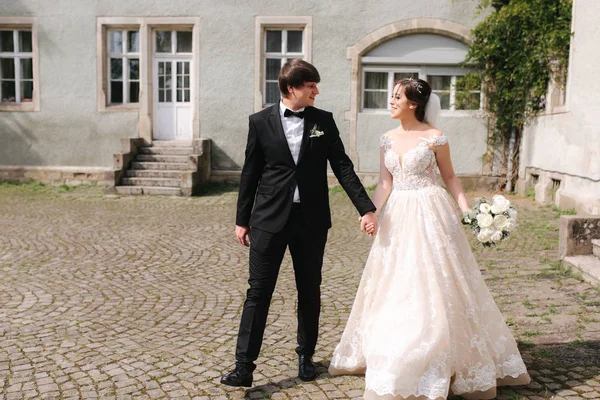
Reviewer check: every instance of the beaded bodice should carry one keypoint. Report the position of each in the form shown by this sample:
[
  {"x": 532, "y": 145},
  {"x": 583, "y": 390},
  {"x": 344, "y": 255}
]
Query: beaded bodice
[{"x": 416, "y": 168}]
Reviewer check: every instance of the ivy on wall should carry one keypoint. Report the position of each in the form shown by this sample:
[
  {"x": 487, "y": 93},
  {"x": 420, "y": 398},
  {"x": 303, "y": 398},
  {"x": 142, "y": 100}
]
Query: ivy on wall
[{"x": 519, "y": 47}]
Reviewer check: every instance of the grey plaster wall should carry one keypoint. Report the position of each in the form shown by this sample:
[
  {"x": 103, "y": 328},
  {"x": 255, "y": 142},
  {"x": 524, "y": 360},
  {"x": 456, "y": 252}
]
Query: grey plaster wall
[
  {"x": 69, "y": 131},
  {"x": 568, "y": 143}
]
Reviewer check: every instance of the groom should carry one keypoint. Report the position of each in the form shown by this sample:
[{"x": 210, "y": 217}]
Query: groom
[{"x": 283, "y": 201}]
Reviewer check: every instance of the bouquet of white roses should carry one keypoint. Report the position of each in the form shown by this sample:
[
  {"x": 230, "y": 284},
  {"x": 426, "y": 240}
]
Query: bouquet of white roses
[{"x": 491, "y": 223}]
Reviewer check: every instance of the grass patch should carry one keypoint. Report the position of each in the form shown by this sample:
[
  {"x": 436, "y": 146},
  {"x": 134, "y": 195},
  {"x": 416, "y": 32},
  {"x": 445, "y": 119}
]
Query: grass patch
[
  {"x": 530, "y": 193},
  {"x": 568, "y": 211},
  {"x": 528, "y": 305},
  {"x": 530, "y": 334},
  {"x": 336, "y": 189},
  {"x": 215, "y": 188}
]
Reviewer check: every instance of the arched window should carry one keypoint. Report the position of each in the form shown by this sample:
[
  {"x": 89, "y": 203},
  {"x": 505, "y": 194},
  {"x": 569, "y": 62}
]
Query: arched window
[{"x": 432, "y": 57}]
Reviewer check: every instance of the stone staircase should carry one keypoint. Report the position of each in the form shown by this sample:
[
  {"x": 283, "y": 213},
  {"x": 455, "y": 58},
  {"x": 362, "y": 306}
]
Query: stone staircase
[
  {"x": 172, "y": 168},
  {"x": 579, "y": 245}
]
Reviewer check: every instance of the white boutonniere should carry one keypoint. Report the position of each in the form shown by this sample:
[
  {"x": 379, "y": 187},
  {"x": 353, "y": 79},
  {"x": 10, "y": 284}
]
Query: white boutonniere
[{"x": 315, "y": 132}]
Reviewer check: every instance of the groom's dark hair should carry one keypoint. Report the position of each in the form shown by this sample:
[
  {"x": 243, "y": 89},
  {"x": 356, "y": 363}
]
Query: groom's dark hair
[{"x": 294, "y": 73}]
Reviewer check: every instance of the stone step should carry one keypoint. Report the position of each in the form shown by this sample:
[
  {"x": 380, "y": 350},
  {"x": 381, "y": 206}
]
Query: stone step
[
  {"x": 589, "y": 266},
  {"x": 165, "y": 159},
  {"x": 172, "y": 143},
  {"x": 151, "y": 182},
  {"x": 166, "y": 151},
  {"x": 151, "y": 190},
  {"x": 137, "y": 165},
  {"x": 596, "y": 247},
  {"x": 148, "y": 173}
]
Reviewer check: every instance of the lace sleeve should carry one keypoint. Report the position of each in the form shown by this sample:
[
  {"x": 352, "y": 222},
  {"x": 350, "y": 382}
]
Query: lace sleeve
[
  {"x": 436, "y": 140},
  {"x": 385, "y": 142}
]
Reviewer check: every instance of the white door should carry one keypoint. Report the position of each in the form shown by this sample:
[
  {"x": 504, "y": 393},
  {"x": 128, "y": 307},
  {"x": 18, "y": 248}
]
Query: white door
[
  {"x": 173, "y": 108},
  {"x": 173, "y": 111}
]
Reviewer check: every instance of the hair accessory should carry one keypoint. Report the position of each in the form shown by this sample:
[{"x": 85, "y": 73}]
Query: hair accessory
[{"x": 416, "y": 85}]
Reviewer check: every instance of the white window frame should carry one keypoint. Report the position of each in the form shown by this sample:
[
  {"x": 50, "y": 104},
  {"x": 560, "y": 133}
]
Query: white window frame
[
  {"x": 146, "y": 26},
  {"x": 125, "y": 55},
  {"x": 16, "y": 24},
  {"x": 285, "y": 24},
  {"x": 423, "y": 73},
  {"x": 283, "y": 56}
]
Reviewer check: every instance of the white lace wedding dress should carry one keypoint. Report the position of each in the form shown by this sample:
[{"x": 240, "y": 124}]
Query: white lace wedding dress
[{"x": 424, "y": 323}]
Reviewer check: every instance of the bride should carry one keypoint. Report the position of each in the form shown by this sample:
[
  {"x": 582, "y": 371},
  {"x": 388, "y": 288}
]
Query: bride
[{"x": 423, "y": 323}]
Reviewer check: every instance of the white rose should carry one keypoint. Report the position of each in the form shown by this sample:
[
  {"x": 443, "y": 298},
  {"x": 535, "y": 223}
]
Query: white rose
[
  {"x": 496, "y": 208},
  {"x": 500, "y": 222},
  {"x": 485, "y": 235},
  {"x": 485, "y": 208},
  {"x": 502, "y": 204},
  {"x": 497, "y": 236},
  {"x": 485, "y": 220},
  {"x": 512, "y": 213},
  {"x": 511, "y": 224}
]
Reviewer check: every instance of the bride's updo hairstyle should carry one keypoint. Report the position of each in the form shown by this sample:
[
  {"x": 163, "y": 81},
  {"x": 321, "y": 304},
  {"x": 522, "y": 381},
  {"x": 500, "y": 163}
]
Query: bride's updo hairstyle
[{"x": 417, "y": 91}]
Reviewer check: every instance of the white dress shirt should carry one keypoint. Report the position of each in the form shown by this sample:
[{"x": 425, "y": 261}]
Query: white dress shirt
[{"x": 293, "y": 127}]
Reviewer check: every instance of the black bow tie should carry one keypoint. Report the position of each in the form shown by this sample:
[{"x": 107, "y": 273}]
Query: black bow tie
[{"x": 289, "y": 113}]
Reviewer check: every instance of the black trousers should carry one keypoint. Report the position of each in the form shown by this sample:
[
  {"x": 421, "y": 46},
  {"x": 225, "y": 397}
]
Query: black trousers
[{"x": 266, "y": 253}]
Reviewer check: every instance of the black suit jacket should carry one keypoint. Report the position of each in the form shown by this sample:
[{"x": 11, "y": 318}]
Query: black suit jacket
[{"x": 269, "y": 176}]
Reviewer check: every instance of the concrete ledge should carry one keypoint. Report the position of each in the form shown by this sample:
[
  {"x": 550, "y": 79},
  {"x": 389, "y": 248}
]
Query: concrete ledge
[
  {"x": 58, "y": 175},
  {"x": 589, "y": 266}
]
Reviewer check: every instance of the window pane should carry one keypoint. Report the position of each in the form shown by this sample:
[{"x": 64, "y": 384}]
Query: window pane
[
  {"x": 405, "y": 75},
  {"x": 186, "y": 96},
  {"x": 376, "y": 100},
  {"x": 179, "y": 82},
  {"x": 134, "y": 92},
  {"x": 133, "y": 39},
  {"x": 273, "y": 68},
  {"x": 376, "y": 80},
  {"x": 116, "y": 92},
  {"x": 26, "y": 91},
  {"x": 179, "y": 96},
  {"x": 7, "y": 68},
  {"x": 294, "y": 42},
  {"x": 115, "y": 40},
  {"x": 184, "y": 42},
  {"x": 8, "y": 92},
  {"x": 6, "y": 42},
  {"x": 163, "y": 41},
  {"x": 272, "y": 95},
  {"x": 179, "y": 68},
  {"x": 134, "y": 69},
  {"x": 186, "y": 69},
  {"x": 116, "y": 68},
  {"x": 273, "y": 41},
  {"x": 161, "y": 96},
  {"x": 168, "y": 94},
  {"x": 439, "y": 82},
  {"x": 444, "y": 99},
  {"x": 26, "y": 68},
  {"x": 25, "y": 41},
  {"x": 186, "y": 82}
]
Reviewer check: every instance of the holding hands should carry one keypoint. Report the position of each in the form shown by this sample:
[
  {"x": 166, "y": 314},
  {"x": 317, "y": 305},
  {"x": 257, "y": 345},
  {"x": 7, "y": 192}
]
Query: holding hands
[{"x": 368, "y": 223}]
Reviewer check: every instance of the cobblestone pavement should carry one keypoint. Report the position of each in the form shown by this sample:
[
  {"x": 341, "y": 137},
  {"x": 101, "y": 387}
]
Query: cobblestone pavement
[{"x": 140, "y": 297}]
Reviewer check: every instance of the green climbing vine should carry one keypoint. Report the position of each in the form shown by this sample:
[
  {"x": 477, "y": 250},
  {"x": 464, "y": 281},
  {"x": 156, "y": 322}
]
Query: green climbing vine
[{"x": 516, "y": 50}]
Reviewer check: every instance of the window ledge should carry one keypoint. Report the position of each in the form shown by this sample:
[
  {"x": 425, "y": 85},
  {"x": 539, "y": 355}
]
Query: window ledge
[
  {"x": 556, "y": 110},
  {"x": 23, "y": 107},
  {"x": 120, "y": 108}
]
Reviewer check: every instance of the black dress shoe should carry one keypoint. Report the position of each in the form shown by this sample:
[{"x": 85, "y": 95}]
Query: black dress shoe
[
  {"x": 306, "y": 368},
  {"x": 240, "y": 376}
]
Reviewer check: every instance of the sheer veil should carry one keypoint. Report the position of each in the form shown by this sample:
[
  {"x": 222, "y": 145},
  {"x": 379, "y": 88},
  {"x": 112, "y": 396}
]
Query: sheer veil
[{"x": 432, "y": 110}]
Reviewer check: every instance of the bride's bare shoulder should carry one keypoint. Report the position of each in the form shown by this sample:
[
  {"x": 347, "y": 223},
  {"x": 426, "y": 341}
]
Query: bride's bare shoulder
[{"x": 432, "y": 133}]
